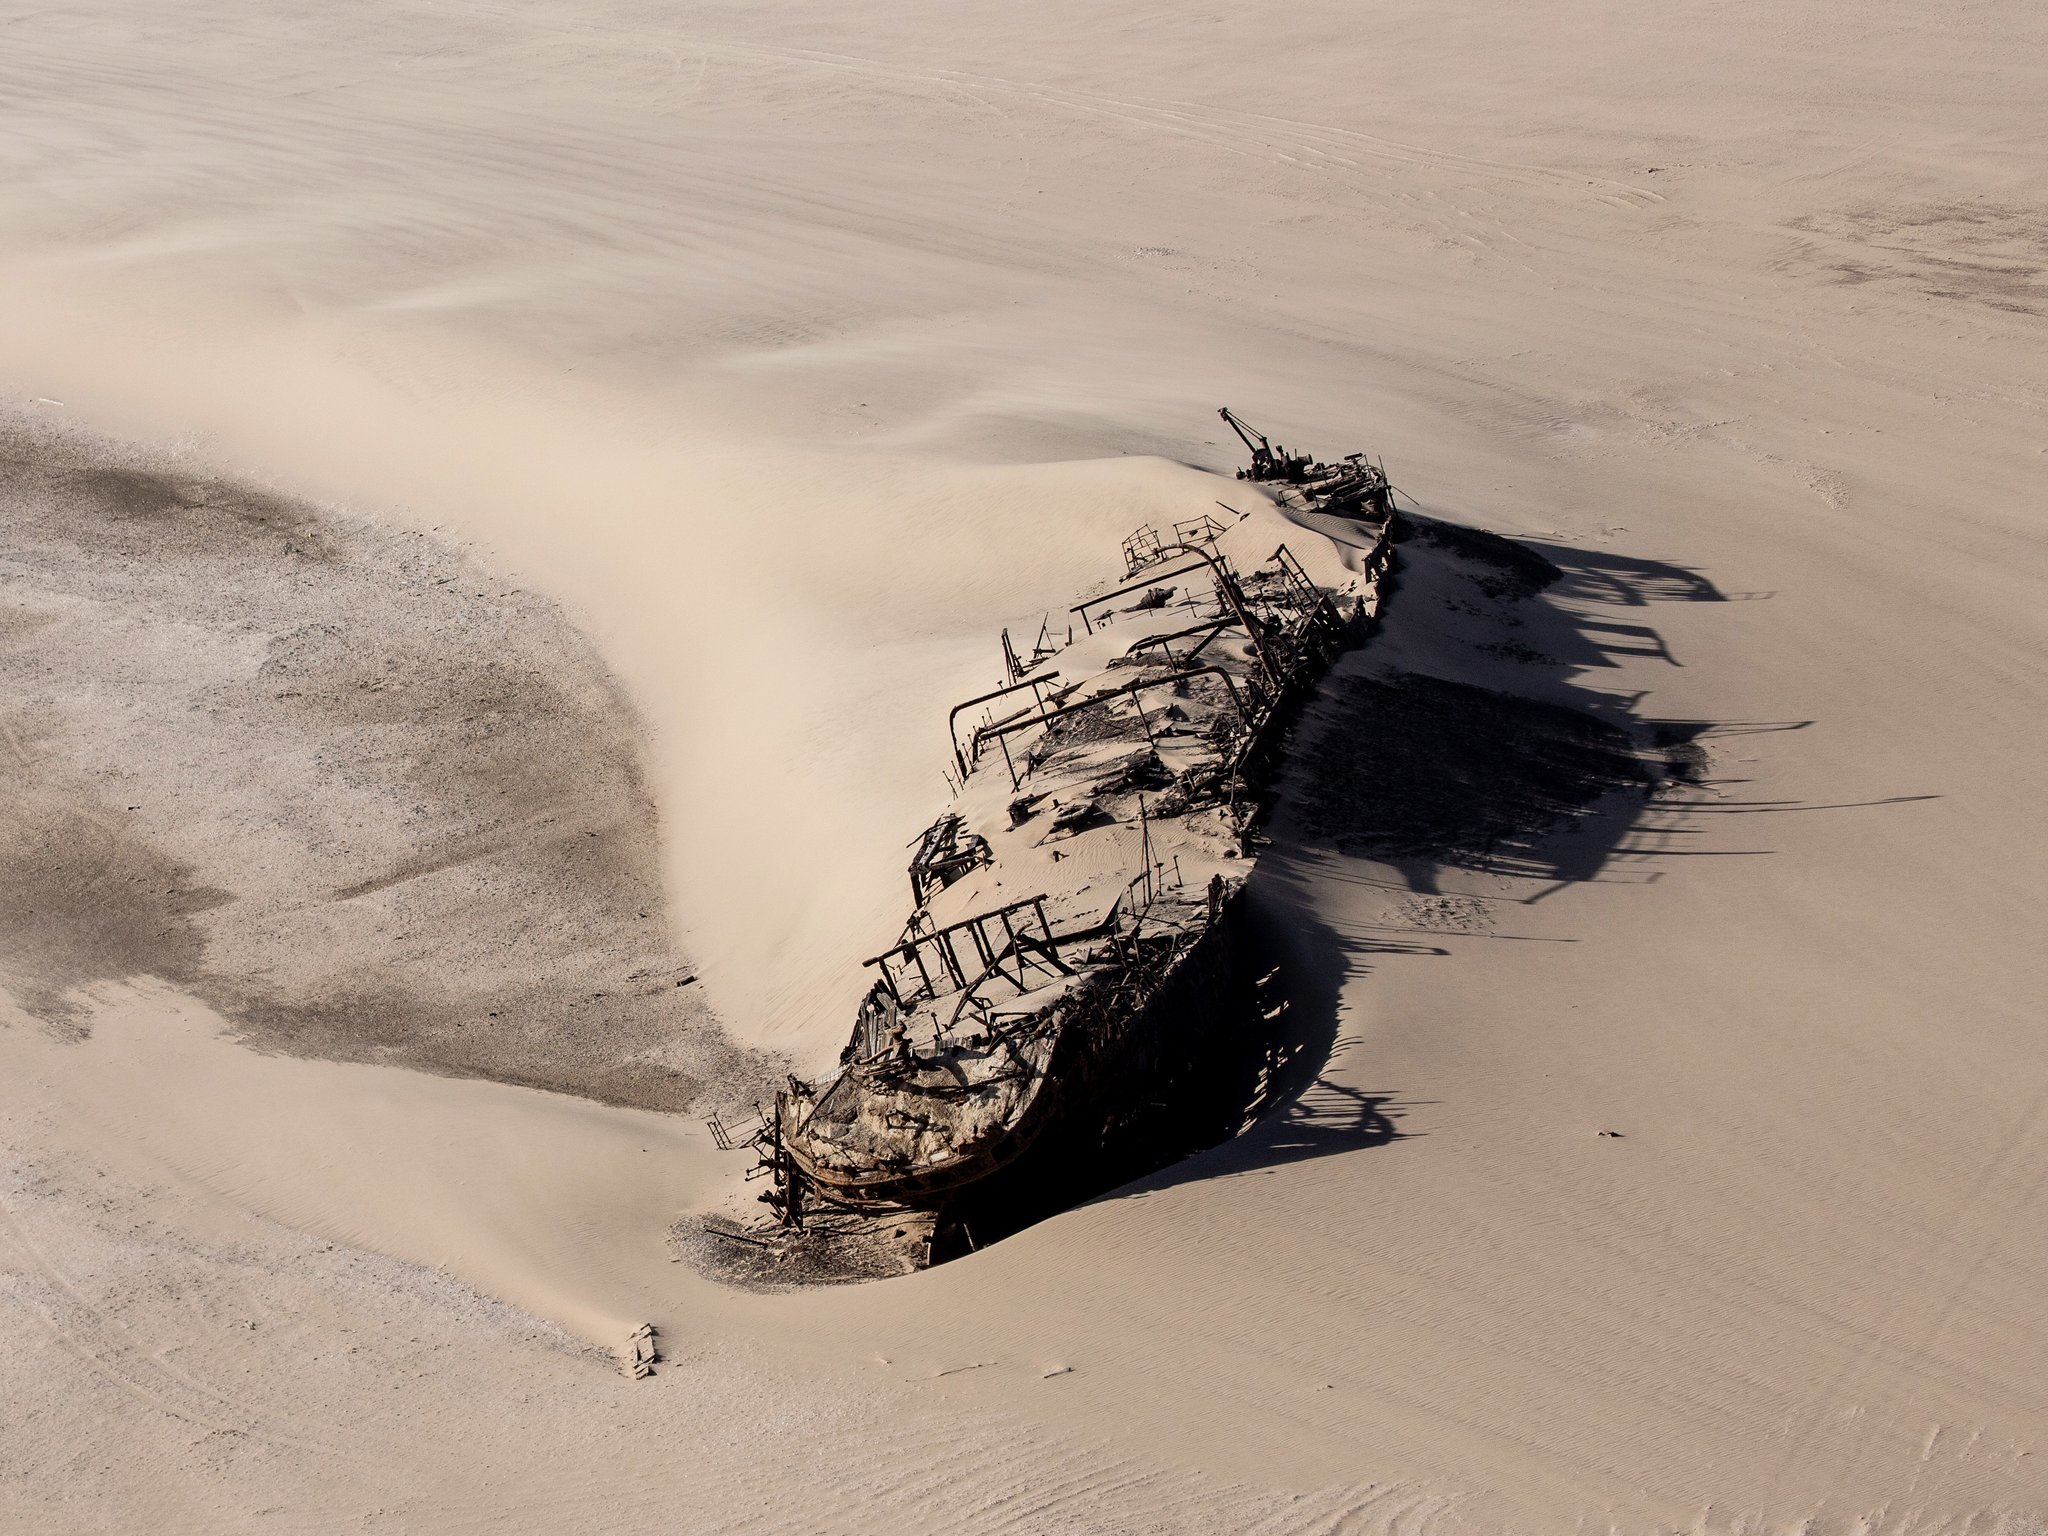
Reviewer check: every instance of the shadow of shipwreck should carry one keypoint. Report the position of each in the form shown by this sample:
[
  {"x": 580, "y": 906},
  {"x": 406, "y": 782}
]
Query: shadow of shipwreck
[{"x": 1470, "y": 735}]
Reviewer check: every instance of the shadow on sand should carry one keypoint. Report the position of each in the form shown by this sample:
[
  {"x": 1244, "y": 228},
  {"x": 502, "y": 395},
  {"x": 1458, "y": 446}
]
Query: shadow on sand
[
  {"x": 1471, "y": 735},
  {"x": 1457, "y": 735}
]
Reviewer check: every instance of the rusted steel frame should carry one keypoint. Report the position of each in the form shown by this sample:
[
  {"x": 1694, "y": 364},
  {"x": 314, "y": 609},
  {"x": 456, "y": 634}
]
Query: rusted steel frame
[
  {"x": 994, "y": 968},
  {"x": 1138, "y": 552},
  {"x": 1009, "y": 1045},
  {"x": 943, "y": 871},
  {"x": 995, "y": 958},
  {"x": 1299, "y": 636},
  {"x": 1034, "y": 948},
  {"x": 972, "y": 759},
  {"x": 1229, "y": 682},
  {"x": 953, "y": 736},
  {"x": 1011, "y": 934},
  {"x": 1210, "y": 639},
  {"x": 889, "y": 981},
  {"x": 1149, "y": 579},
  {"x": 881, "y": 963},
  {"x": 1226, "y": 588},
  {"x": 941, "y": 939},
  {"x": 1167, "y": 681},
  {"x": 1211, "y": 627},
  {"x": 1226, "y": 585},
  {"x": 1189, "y": 535},
  {"x": 1283, "y": 560},
  {"x": 1144, "y": 720},
  {"x": 981, "y": 732},
  {"x": 896, "y": 1188},
  {"x": 1043, "y": 942},
  {"x": 979, "y": 933},
  {"x": 1178, "y": 545},
  {"x": 945, "y": 830},
  {"x": 1044, "y": 949},
  {"x": 1318, "y": 601},
  {"x": 1295, "y": 678}
]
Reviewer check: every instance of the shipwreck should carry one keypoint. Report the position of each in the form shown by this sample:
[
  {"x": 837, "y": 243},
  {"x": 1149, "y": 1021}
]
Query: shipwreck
[{"x": 1074, "y": 942}]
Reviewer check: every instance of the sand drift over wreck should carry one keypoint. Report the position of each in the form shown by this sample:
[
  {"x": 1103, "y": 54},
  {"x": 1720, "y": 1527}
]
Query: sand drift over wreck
[{"x": 1075, "y": 932}]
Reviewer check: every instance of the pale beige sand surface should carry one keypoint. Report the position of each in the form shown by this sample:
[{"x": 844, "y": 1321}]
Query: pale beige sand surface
[{"x": 784, "y": 354}]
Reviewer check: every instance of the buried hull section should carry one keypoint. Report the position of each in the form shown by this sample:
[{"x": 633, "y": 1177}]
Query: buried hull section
[
  {"x": 1146, "y": 1034},
  {"x": 1153, "y": 1085}
]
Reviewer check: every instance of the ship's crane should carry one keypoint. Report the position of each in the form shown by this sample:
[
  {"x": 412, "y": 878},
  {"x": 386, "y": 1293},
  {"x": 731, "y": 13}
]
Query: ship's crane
[{"x": 1268, "y": 462}]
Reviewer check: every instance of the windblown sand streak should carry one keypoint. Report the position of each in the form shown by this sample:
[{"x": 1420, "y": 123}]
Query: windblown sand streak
[{"x": 755, "y": 365}]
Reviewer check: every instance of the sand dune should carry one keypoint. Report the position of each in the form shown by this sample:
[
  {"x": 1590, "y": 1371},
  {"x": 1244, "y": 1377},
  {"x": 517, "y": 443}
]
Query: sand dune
[{"x": 755, "y": 365}]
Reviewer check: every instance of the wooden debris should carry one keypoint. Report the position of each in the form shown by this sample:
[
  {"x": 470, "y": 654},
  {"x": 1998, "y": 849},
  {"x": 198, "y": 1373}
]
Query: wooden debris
[{"x": 641, "y": 1353}]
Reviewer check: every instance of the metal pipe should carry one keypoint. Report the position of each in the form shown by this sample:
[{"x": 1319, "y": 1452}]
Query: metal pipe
[
  {"x": 1168, "y": 680},
  {"x": 1165, "y": 641},
  {"x": 1010, "y": 933},
  {"x": 1227, "y": 589},
  {"x": 1149, "y": 579},
  {"x": 953, "y": 735},
  {"x": 937, "y": 937}
]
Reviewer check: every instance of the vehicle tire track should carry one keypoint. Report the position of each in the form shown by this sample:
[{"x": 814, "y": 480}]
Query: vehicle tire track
[{"x": 106, "y": 1364}]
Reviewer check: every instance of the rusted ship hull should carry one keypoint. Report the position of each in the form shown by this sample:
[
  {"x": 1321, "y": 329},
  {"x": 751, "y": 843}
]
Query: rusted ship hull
[
  {"x": 1106, "y": 1047},
  {"x": 1012, "y": 1047}
]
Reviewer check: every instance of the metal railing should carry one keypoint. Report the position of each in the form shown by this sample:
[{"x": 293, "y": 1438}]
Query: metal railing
[{"x": 1018, "y": 931}]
